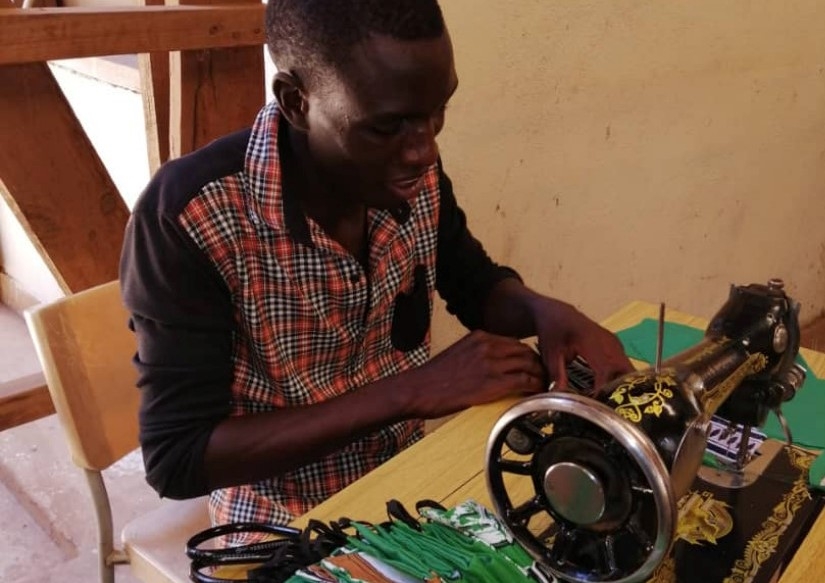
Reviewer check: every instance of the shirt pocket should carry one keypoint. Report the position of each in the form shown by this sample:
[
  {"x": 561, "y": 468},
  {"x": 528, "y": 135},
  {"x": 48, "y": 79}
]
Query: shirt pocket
[{"x": 411, "y": 313}]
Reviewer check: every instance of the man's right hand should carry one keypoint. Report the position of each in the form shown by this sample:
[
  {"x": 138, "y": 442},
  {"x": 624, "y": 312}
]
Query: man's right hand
[{"x": 480, "y": 368}]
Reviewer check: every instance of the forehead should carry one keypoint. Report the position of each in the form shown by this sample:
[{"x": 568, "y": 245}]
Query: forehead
[{"x": 390, "y": 76}]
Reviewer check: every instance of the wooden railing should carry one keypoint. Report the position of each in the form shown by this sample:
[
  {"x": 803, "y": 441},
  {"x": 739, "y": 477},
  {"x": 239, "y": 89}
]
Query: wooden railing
[{"x": 45, "y": 34}]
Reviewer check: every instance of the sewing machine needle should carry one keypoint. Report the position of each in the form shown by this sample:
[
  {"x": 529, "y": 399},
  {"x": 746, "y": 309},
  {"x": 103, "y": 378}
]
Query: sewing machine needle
[{"x": 660, "y": 337}]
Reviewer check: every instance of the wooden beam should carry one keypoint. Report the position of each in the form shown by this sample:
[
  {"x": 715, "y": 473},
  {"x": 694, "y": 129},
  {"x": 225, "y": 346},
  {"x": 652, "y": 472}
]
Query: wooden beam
[
  {"x": 54, "y": 182},
  {"x": 21, "y": 406},
  {"x": 44, "y": 34},
  {"x": 213, "y": 92}
]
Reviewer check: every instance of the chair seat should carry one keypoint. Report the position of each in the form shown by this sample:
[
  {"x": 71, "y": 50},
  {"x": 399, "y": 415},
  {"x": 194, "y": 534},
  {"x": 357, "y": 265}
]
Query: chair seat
[{"x": 156, "y": 542}]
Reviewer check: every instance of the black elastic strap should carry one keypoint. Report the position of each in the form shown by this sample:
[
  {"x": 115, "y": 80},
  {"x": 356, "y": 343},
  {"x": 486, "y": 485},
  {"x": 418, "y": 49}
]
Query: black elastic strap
[
  {"x": 396, "y": 510},
  {"x": 251, "y": 552},
  {"x": 426, "y": 503}
]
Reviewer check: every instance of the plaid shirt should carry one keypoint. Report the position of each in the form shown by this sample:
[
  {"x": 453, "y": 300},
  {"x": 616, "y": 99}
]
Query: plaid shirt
[{"x": 244, "y": 305}]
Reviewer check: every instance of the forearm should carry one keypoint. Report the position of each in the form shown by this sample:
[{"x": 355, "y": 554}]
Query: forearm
[
  {"x": 250, "y": 448},
  {"x": 511, "y": 308}
]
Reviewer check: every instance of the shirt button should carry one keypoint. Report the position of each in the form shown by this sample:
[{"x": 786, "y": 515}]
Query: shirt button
[{"x": 354, "y": 278}]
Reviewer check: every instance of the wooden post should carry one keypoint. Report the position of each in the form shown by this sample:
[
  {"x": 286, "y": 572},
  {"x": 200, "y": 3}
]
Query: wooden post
[
  {"x": 214, "y": 92},
  {"x": 154, "y": 85}
]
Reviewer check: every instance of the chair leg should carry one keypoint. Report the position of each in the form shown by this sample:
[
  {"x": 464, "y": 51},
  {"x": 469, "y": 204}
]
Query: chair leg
[{"x": 108, "y": 556}]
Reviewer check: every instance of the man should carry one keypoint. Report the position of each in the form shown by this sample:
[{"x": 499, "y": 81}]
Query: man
[{"x": 281, "y": 278}]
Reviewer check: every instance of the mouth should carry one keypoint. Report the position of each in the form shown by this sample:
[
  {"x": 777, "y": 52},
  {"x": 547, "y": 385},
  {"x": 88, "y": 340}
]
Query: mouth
[{"x": 407, "y": 188}]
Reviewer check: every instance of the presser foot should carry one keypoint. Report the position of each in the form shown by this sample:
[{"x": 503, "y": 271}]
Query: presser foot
[{"x": 733, "y": 476}]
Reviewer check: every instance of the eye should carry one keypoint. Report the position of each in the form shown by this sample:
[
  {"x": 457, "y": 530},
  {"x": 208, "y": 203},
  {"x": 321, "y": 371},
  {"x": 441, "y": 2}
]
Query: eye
[{"x": 386, "y": 128}]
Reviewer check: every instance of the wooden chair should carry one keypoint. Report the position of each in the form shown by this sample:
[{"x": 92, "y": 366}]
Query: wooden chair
[{"x": 85, "y": 349}]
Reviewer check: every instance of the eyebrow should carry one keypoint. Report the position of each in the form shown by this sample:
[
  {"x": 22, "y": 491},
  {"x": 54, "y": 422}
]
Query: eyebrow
[{"x": 389, "y": 116}]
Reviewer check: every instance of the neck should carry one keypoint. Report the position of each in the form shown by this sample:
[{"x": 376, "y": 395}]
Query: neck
[
  {"x": 319, "y": 198},
  {"x": 341, "y": 217}
]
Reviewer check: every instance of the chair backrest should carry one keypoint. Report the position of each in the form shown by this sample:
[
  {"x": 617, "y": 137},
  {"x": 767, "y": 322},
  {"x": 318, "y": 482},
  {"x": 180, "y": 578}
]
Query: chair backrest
[{"x": 86, "y": 349}]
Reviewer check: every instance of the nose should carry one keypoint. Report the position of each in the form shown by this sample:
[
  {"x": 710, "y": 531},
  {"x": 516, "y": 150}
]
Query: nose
[{"x": 420, "y": 147}]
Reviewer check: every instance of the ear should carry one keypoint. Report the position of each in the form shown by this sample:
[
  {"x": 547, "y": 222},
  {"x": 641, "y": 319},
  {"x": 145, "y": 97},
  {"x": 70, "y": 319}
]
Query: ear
[{"x": 289, "y": 93}]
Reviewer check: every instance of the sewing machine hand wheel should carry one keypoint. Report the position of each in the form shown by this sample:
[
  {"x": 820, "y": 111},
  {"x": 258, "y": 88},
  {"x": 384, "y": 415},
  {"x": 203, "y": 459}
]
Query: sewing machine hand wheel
[{"x": 596, "y": 500}]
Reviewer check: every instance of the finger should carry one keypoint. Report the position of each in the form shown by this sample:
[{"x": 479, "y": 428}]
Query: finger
[
  {"x": 529, "y": 364},
  {"x": 601, "y": 376},
  {"x": 513, "y": 347},
  {"x": 524, "y": 383},
  {"x": 609, "y": 369},
  {"x": 535, "y": 384},
  {"x": 546, "y": 379},
  {"x": 551, "y": 360},
  {"x": 561, "y": 372},
  {"x": 523, "y": 360},
  {"x": 604, "y": 380},
  {"x": 625, "y": 367}
]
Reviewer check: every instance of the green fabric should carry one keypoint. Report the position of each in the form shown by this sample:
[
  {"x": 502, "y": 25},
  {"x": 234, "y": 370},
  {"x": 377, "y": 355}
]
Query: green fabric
[
  {"x": 640, "y": 340},
  {"x": 341, "y": 574},
  {"x": 485, "y": 564},
  {"x": 489, "y": 568},
  {"x": 376, "y": 541},
  {"x": 805, "y": 412},
  {"x": 436, "y": 548},
  {"x": 477, "y": 522},
  {"x": 710, "y": 460}
]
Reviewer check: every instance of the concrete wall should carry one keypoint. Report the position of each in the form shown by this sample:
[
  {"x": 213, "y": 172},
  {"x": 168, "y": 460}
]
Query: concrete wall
[
  {"x": 614, "y": 150},
  {"x": 617, "y": 149}
]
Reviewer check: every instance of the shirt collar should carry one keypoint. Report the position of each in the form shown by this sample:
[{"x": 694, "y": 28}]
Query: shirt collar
[{"x": 276, "y": 206}]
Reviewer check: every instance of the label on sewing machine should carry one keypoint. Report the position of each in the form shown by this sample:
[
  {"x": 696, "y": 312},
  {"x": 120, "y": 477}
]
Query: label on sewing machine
[{"x": 725, "y": 440}]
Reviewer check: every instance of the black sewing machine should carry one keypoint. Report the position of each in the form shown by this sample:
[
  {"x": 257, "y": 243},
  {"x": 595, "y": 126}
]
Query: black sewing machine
[{"x": 611, "y": 488}]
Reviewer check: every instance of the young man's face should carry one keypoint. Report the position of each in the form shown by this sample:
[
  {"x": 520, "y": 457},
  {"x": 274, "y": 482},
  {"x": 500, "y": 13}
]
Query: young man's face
[{"x": 372, "y": 127}]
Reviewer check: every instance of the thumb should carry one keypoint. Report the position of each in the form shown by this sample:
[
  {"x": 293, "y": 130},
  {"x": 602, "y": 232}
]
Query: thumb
[{"x": 558, "y": 370}]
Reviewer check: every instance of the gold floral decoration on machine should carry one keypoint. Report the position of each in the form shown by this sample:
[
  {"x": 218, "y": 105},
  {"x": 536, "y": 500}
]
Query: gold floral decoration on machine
[{"x": 640, "y": 402}]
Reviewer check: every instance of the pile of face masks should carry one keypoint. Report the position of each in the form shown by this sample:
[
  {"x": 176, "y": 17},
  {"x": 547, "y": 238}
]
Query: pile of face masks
[
  {"x": 466, "y": 543},
  {"x": 463, "y": 544}
]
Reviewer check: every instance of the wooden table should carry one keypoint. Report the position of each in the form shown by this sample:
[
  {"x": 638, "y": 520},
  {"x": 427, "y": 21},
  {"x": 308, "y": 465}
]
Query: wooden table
[{"x": 448, "y": 464}]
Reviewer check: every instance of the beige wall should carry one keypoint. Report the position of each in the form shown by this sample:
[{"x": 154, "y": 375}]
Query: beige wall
[{"x": 614, "y": 150}]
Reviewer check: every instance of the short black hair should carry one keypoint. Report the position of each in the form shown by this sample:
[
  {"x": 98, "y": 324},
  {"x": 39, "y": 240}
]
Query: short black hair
[{"x": 311, "y": 34}]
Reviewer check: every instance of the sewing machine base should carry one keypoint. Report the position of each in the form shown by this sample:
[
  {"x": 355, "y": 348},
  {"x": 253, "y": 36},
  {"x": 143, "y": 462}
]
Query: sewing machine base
[{"x": 745, "y": 534}]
